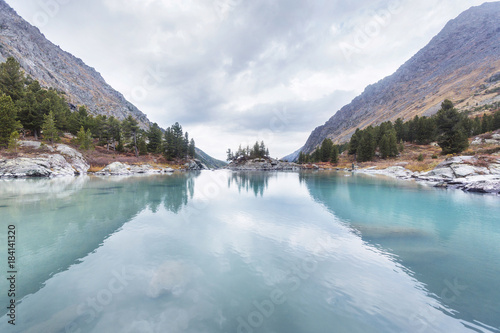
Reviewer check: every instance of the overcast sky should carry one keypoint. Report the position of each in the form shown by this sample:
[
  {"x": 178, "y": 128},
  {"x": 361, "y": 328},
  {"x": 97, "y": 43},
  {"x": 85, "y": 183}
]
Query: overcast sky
[{"x": 236, "y": 71}]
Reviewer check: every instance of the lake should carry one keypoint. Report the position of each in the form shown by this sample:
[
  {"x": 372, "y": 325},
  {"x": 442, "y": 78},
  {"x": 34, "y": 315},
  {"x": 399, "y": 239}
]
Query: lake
[{"x": 222, "y": 251}]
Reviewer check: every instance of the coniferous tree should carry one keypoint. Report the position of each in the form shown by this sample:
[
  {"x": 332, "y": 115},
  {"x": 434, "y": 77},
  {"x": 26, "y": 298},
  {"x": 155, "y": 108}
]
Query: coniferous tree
[
  {"x": 84, "y": 139},
  {"x": 400, "y": 129},
  {"x": 114, "y": 131},
  {"x": 155, "y": 138},
  {"x": 335, "y": 154},
  {"x": 388, "y": 144},
  {"x": 255, "y": 153},
  {"x": 230, "y": 156},
  {"x": 49, "y": 128},
  {"x": 496, "y": 120},
  {"x": 476, "y": 126},
  {"x": 141, "y": 144},
  {"x": 326, "y": 150},
  {"x": 487, "y": 123},
  {"x": 192, "y": 149},
  {"x": 8, "y": 122},
  {"x": 130, "y": 129},
  {"x": 367, "y": 145},
  {"x": 354, "y": 143},
  {"x": 12, "y": 79},
  {"x": 452, "y": 138},
  {"x": 14, "y": 141}
]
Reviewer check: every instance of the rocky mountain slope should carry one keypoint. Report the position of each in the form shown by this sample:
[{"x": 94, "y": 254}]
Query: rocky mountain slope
[
  {"x": 462, "y": 63},
  {"x": 55, "y": 68},
  {"x": 209, "y": 161}
]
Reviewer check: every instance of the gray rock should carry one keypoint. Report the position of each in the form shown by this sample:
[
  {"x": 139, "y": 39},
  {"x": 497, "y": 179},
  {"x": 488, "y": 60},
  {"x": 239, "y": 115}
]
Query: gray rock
[
  {"x": 115, "y": 168},
  {"x": 195, "y": 165},
  {"x": 43, "y": 166},
  {"x": 263, "y": 164},
  {"x": 494, "y": 169},
  {"x": 438, "y": 173},
  {"x": 75, "y": 158},
  {"x": 124, "y": 169},
  {"x": 464, "y": 170},
  {"x": 477, "y": 141}
]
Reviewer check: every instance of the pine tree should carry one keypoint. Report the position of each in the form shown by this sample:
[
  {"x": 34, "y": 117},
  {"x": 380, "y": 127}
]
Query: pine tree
[
  {"x": 141, "y": 145},
  {"x": 400, "y": 129},
  {"x": 155, "y": 138},
  {"x": 487, "y": 123},
  {"x": 452, "y": 137},
  {"x": 8, "y": 122},
  {"x": 367, "y": 145},
  {"x": 326, "y": 150},
  {"x": 130, "y": 129},
  {"x": 84, "y": 139},
  {"x": 476, "y": 126},
  {"x": 12, "y": 79},
  {"x": 354, "y": 142},
  {"x": 114, "y": 131},
  {"x": 192, "y": 148},
  {"x": 335, "y": 154},
  {"x": 255, "y": 153},
  {"x": 496, "y": 120},
  {"x": 230, "y": 156},
  {"x": 14, "y": 141},
  {"x": 49, "y": 128}
]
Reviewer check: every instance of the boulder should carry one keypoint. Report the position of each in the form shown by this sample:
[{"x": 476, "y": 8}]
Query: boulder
[
  {"x": 195, "y": 164},
  {"x": 438, "y": 173},
  {"x": 115, "y": 168},
  {"x": 477, "y": 141},
  {"x": 464, "y": 170},
  {"x": 43, "y": 166},
  {"x": 124, "y": 169},
  {"x": 75, "y": 158}
]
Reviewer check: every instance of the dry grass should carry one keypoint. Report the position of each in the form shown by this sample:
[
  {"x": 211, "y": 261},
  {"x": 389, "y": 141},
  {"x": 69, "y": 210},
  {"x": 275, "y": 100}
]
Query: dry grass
[
  {"x": 423, "y": 166},
  {"x": 94, "y": 168}
]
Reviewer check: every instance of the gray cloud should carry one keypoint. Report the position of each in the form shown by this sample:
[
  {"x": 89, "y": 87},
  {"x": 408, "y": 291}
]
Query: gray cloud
[{"x": 226, "y": 69}]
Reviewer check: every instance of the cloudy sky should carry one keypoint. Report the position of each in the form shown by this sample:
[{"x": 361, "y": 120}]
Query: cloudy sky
[{"x": 237, "y": 71}]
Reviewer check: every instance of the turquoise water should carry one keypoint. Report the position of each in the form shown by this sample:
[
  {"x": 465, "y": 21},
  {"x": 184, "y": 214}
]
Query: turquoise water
[{"x": 250, "y": 252}]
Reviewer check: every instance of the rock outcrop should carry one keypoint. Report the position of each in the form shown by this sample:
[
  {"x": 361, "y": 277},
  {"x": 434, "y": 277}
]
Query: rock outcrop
[
  {"x": 60, "y": 160},
  {"x": 195, "y": 164},
  {"x": 461, "y": 62},
  {"x": 467, "y": 173},
  {"x": 55, "y": 68},
  {"x": 263, "y": 164},
  {"x": 123, "y": 169}
]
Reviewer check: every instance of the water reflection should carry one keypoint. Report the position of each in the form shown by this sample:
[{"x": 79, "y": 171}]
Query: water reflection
[
  {"x": 240, "y": 248},
  {"x": 47, "y": 213},
  {"x": 257, "y": 182},
  {"x": 453, "y": 250}
]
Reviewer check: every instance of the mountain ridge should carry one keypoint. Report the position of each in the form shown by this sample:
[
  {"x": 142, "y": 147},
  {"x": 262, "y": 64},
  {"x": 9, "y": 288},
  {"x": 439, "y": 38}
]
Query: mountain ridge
[
  {"x": 58, "y": 69},
  {"x": 453, "y": 65}
]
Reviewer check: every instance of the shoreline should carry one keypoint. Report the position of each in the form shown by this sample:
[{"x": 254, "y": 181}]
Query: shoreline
[{"x": 468, "y": 173}]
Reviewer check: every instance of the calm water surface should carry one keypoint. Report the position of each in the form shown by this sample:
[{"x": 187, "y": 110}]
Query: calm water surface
[{"x": 250, "y": 252}]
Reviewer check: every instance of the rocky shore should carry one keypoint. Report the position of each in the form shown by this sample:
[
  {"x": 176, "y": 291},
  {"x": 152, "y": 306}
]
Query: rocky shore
[
  {"x": 60, "y": 160},
  {"x": 467, "y": 173},
  {"x": 263, "y": 164},
  {"x": 63, "y": 160}
]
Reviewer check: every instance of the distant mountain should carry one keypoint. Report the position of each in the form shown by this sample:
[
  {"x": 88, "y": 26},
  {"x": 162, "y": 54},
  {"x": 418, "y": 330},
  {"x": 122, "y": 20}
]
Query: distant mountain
[
  {"x": 55, "y": 68},
  {"x": 459, "y": 64},
  {"x": 208, "y": 160}
]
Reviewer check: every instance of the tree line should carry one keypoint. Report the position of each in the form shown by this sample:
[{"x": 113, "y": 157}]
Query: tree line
[
  {"x": 259, "y": 150},
  {"x": 448, "y": 127},
  {"x": 29, "y": 109},
  {"x": 326, "y": 152}
]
